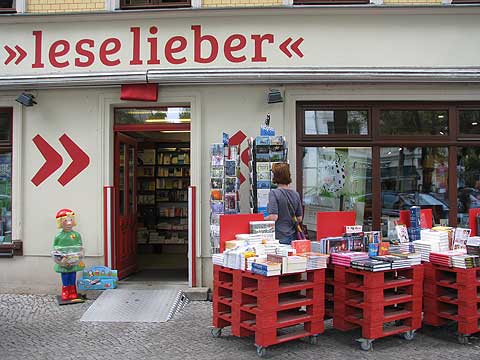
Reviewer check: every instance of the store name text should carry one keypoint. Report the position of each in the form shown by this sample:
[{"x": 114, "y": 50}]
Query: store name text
[{"x": 207, "y": 49}]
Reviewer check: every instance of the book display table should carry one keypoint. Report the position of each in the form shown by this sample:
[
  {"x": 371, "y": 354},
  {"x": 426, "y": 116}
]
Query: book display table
[
  {"x": 382, "y": 303},
  {"x": 452, "y": 294},
  {"x": 274, "y": 309}
]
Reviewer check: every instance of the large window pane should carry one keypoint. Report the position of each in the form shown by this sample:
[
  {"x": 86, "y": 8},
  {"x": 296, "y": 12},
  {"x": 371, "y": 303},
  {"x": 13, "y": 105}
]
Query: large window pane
[
  {"x": 337, "y": 179},
  {"x": 468, "y": 182},
  {"x": 414, "y": 122},
  {"x": 164, "y": 115},
  {"x": 5, "y": 177},
  {"x": 416, "y": 176},
  {"x": 469, "y": 122},
  {"x": 336, "y": 122}
]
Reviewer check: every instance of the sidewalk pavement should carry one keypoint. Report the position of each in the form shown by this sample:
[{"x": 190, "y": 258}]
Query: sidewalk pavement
[{"x": 35, "y": 327}]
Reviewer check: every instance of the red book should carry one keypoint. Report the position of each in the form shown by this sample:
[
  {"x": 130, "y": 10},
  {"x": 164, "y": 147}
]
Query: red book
[
  {"x": 383, "y": 248},
  {"x": 302, "y": 246}
]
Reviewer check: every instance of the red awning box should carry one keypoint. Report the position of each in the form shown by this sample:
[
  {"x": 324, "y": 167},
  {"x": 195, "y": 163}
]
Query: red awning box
[{"x": 139, "y": 92}]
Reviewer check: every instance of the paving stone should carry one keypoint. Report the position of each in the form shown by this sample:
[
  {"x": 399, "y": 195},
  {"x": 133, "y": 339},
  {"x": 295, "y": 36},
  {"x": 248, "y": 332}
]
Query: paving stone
[{"x": 35, "y": 327}]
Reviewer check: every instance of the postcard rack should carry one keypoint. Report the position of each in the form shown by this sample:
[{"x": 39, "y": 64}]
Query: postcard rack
[
  {"x": 381, "y": 303},
  {"x": 452, "y": 294},
  {"x": 274, "y": 309}
]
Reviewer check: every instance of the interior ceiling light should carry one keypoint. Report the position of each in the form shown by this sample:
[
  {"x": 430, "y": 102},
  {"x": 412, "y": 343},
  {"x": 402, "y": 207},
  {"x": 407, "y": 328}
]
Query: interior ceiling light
[
  {"x": 474, "y": 123},
  {"x": 175, "y": 131}
]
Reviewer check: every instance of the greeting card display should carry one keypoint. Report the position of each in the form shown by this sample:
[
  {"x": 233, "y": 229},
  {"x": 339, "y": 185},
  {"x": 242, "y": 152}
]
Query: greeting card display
[{"x": 224, "y": 186}]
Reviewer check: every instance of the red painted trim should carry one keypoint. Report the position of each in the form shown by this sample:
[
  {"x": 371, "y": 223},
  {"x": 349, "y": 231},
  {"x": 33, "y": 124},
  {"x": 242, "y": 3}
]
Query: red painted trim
[
  {"x": 194, "y": 237},
  {"x": 153, "y": 127}
]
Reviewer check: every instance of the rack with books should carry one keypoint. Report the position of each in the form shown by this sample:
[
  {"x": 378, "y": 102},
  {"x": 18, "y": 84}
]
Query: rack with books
[
  {"x": 382, "y": 303},
  {"x": 224, "y": 186},
  {"x": 264, "y": 151},
  {"x": 452, "y": 294},
  {"x": 270, "y": 308},
  {"x": 163, "y": 177}
]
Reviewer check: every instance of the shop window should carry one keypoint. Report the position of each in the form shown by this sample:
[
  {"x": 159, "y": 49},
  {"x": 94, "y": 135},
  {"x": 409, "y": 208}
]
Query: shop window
[
  {"x": 5, "y": 176},
  {"x": 413, "y": 176},
  {"x": 336, "y": 122},
  {"x": 469, "y": 121},
  {"x": 7, "y": 6},
  {"x": 414, "y": 122},
  {"x": 468, "y": 182},
  {"x": 160, "y": 115},
  {"x": 329, "y": 2},
  {"x": 337, "y": 179},
  {"x": 146, "y": 4}
]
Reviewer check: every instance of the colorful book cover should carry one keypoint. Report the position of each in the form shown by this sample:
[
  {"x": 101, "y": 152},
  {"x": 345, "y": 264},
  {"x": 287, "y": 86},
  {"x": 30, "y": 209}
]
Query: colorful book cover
[
  {"x": 230, "y": 184},
  {"x": 383, "y": 248},
  {"x": 230, "y": 168},
  {"x": 216, "y": 194}
]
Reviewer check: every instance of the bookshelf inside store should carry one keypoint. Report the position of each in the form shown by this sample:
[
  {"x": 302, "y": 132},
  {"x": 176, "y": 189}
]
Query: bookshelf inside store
[{"x": 163, "y": 177}]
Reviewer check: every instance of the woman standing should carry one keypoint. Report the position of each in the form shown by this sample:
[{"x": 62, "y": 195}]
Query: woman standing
[{"x": 283, "y": 204}]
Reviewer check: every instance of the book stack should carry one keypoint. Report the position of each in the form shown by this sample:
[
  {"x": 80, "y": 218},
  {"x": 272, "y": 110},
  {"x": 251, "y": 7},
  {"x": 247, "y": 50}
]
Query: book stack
[
  {"x": 414, "y": 231},
  {"x": 345, "y": 258},
  {"x": 448, "y": 231},
  {"x": 371, "y": 265},
  {"x": 293, "y": 264},
  {"x": 331, "y": 245},
  {"x": 315, "y": 260},
  {"x": 263, "y": 229},
  {"x": 473, "y": 245},
  {"x": 412, "y": 257},
  {"x": 465, "y": 261},
  {"x": 267, "y": 269},
  {"x": 217, "y": 259},
  {"x": 255, "y": 259},
  {"x": 436, "y": 241},
  {"x": 442, "y": 258},
  {"x": 396, "y": 262}
]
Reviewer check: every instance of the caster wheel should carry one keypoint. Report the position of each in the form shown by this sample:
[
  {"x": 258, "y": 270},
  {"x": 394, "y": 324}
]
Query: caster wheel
[
  {"x": 409, "y": 335},
  {"x": 313, "y": 340},
  {"x": 365, "y": 344},
  {"x": 216, "y": 332},
  {"x": 463, "y": 339},
  {"x": 261, "y": 351}
]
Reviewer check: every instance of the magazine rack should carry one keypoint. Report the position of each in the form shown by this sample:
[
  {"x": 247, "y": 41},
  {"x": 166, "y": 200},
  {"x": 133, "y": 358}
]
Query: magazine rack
[
  {"x": 382, "y": 303},
  {"x": 270, "y": 308},
  {"x": 452, "y": 294}
]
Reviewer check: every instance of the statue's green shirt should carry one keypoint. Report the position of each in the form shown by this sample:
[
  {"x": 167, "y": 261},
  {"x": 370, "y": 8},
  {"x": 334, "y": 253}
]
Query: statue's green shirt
[{"x": 68, "y": 241}]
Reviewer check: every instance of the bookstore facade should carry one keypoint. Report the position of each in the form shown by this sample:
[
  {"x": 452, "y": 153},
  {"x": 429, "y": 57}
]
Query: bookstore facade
[{"x": 374, "y": 123}]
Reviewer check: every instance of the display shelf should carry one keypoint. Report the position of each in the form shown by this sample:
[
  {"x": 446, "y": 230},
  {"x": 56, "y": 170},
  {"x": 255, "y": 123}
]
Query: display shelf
[
  {"x": 452, "y": 294},
  {"x": 266, "y": 307},
  {"x": 374, "y": 301},
  {"x": 162, "y": 186}
]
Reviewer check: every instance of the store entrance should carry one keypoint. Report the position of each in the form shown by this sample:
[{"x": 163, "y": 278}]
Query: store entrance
[{"x": 159, "y": 192}]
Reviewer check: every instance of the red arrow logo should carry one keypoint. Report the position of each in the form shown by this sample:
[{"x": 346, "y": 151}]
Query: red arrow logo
[
  {"x": 12, "y": 54},
  {"x": 80, "y": 160},
  {"x": 53, "y": 160},
  {"x": 294, "y": 47}
]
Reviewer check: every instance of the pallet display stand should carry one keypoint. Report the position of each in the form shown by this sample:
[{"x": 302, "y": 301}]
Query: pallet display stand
[
  {"x": 382, "y": 303},
  {"x": 452, "y": 294},
  {"x": 332, "y": 223},
  {"x": 274, "y": 309}
]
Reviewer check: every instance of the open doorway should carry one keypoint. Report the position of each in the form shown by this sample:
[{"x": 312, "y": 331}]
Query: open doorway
[{"x": 152, "y": 172}]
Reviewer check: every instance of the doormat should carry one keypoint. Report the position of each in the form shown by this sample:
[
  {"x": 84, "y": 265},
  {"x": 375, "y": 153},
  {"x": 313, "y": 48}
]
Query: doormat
[{"x": 122, "y": 305}]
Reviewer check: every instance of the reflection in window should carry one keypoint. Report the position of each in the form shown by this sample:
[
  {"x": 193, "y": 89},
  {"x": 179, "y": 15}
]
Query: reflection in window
[
  {"x": 336, "y": 122},
  {"x": 163, "y": 115},
  {"x": 5, "y": 177},
  {"x": 468, "y": 182},
  {"x": 337, "y": 179},
  {"x": 132, "y": 4},
  {"x": 469, "y": 122},
  {"x": 416, "y": 176},
  {"x": 414, "y": 122}
]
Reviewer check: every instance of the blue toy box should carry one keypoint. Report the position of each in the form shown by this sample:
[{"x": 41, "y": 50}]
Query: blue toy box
[{"x": 98, "y": 278}]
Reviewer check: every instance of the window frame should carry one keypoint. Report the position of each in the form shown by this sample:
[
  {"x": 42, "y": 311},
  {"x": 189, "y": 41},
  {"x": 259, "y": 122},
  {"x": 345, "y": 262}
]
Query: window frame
[
  {"x": 329, "y": 2},
  {"x": 180, "y": 4},
  {"x": 453, "y": 141},
  {"x": 9, "y": 10}
]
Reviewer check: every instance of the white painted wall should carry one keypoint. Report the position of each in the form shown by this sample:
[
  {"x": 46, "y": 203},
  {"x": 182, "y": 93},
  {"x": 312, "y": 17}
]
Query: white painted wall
[{"x": 85, "y": 115}]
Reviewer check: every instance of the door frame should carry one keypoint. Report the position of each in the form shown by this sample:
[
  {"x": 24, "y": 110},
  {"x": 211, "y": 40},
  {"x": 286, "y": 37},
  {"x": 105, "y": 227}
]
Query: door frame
[
  {"x": 118, "y": 135},
  {"x": 124, "y": 130}
]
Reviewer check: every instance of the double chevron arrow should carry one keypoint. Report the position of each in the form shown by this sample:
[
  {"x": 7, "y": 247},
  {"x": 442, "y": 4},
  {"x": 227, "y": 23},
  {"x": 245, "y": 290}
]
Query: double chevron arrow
[{"x": 53, "y": 160}]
